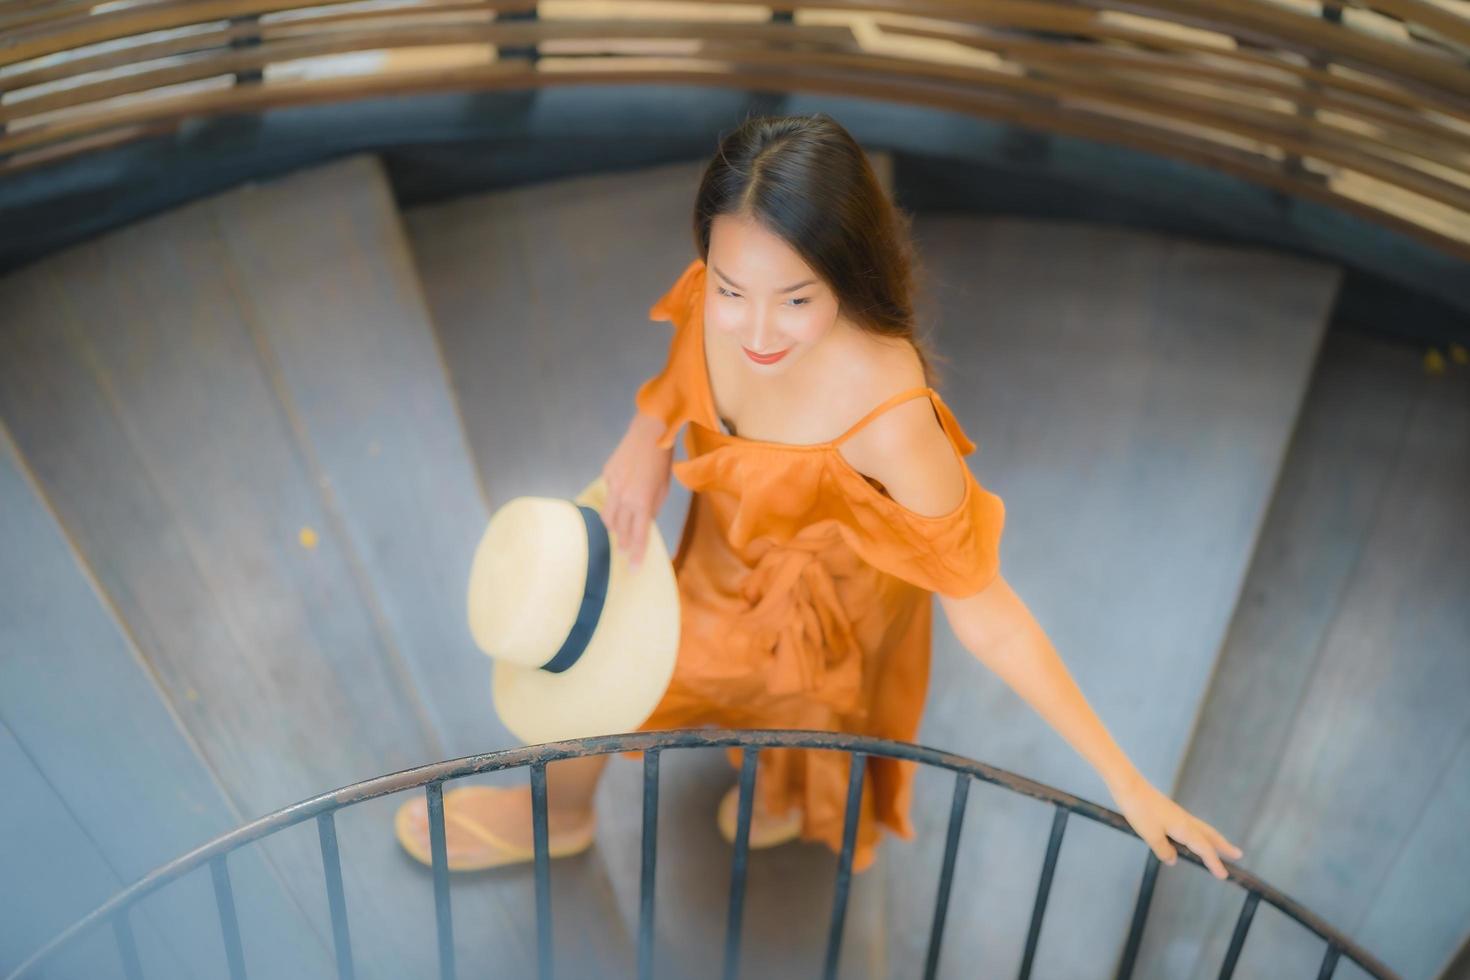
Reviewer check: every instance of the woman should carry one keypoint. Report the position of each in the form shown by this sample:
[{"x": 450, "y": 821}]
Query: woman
[{"x": 830, "y": 499}]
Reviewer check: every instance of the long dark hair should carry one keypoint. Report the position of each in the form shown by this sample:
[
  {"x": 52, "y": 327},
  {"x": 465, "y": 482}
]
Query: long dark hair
[{"x": 806, "y": 180}]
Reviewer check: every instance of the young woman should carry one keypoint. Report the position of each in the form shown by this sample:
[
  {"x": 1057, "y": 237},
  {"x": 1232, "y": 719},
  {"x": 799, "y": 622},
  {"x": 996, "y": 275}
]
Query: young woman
[{"x": 830, "y": 499}]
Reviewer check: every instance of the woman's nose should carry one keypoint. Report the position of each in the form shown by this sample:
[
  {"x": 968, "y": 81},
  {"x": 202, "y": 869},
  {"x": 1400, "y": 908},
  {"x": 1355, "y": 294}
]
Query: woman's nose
[{"x": 760, "y": 339}]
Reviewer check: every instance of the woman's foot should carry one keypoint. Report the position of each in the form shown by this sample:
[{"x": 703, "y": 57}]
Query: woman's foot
[
  {"x": 489, "y": 826},
  {"x": 766, "y": 829}
]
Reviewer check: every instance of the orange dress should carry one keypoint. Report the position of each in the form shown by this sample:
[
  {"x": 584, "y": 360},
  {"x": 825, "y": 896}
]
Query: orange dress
[{"x": 805, "y": 590}]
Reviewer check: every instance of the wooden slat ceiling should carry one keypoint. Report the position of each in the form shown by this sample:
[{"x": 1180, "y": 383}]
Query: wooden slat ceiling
[{"x": 1364, "y": 106}]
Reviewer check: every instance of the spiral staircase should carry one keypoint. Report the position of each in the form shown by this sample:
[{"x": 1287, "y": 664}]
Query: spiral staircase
[{"x": 291, "y": 295}]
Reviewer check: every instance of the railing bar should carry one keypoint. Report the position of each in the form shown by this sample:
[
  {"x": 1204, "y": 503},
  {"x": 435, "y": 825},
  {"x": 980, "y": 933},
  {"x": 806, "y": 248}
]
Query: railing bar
[
  {"x": 946, "y": 872},
  {"x": 1140, "y": 916},
  {"x": 650, "y": 862},
  {"x": 543, "y": 870},
  {"x": 1237, "y": 939},
  {"x": 439, "y": 855},
  {"x": 326, "y": 827},
  {"x": 857, "y": 768},
  {"x": 738, "y": 863},
  {"x": 1329, "y": 962},
  {"x": 1043, "y": 889},
  {"x": 224, "y": 898},
  {"x": 127, "y": 950}
]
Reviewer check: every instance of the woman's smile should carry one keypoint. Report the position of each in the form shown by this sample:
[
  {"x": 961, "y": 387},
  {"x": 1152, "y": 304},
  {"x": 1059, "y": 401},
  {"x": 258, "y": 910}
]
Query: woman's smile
[{"x": 765, "y": 358}]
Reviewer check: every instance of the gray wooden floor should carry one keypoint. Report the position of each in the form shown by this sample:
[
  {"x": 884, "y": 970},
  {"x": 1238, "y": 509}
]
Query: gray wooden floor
[{"x": 246, "y": 449}]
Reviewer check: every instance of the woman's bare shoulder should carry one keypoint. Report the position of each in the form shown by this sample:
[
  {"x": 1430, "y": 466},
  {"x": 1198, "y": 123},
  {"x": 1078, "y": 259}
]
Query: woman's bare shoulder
[
  {"x": 884, "y": 367},
  {"x": 904, "y": 448}
]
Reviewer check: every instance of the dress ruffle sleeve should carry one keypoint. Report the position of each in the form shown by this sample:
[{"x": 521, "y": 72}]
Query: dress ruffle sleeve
[
  {"x": 672, "y": 395},
  {"x": 955, "y": 554}
]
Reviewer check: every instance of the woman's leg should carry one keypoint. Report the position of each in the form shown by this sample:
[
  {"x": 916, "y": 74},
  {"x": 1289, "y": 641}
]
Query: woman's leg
[
  {"x": 506, "y": 813},
  {"x": 570, "y": 786}
]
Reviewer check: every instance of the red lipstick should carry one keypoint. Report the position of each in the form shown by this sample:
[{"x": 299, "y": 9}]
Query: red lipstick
[{"x": 765, "y": 358}]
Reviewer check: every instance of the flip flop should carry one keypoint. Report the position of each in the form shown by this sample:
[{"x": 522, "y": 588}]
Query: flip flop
[
  {"x": 492, "y": 851},
  {"x": 788, "y": 828}
]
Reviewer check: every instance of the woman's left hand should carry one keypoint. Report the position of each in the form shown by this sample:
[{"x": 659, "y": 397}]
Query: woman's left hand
[{"x": 1155, "y": 818}]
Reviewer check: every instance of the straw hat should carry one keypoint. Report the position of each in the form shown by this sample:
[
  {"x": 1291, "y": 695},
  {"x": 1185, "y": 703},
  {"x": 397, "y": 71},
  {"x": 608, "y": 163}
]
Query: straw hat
[{"x": 583, "y": 644}]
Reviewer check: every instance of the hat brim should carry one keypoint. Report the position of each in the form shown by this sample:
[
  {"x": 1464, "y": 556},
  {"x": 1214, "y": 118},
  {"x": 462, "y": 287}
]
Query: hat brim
[{"x": 624, "y": 671}]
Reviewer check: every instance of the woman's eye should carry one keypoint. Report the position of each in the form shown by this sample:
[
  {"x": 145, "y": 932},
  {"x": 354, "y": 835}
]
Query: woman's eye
[{"x": 798, "y": 301}]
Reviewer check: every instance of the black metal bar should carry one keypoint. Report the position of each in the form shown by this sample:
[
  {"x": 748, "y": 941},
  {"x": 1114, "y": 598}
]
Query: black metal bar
[
  {"x": 439, "y": 855},
  {"x": 1237, "y": 939},
  {"x": 531, "y": 52},
  {"x": 543, "y": 871},
  {"x": 250, "y": 75},
  {"x": 326, "y": 828},
  {"x": 1329, "y": 962},
  {"x": 1140, "y": 916},
  {"x": 857, "y": 768},
  {"x": 946, "y": 872},
  {"x": 224, "y": 898},
  {"x": 1043, "y": 889},
  {"x": 127, "y": 950},
  {"x": 650, "y": 862},
  {"x": 738, "y": 863}
]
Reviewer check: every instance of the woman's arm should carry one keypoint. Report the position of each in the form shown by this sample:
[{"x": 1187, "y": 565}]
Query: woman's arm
[
  {"x": 998, "y": 629},
  {"x": 907, "y": 451}
]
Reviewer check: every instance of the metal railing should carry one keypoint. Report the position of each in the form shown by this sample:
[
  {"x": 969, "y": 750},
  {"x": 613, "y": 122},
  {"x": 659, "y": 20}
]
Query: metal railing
[{"x": 536, "y": 758}]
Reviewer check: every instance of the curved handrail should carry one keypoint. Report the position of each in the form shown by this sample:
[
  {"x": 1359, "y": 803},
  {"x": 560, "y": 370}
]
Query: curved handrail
[
  {"x": 537, "y": 757},
  {"x": 1366, "y": 108}
]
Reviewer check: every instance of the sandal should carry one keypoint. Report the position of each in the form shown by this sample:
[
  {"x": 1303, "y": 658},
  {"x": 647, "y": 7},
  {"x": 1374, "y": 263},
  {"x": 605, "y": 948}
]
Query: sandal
[
  {"x": 779, "y": 831},
  {"x": 469, "y": 846}
]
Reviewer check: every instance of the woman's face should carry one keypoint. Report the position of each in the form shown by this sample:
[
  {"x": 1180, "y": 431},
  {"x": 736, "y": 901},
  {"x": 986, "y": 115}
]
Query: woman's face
[{"x": 763, "y": 296}]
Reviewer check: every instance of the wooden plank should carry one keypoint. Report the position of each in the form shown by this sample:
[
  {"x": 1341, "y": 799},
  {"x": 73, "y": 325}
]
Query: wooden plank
[
  {"x": 54, "y": 875},
  {"x": 363, "y": 384},
  {"x": 1380, "y": 723},
  {"x": 188, "y": 492},
  {"x": 1420, "y": 911},
  {"x": 1132, "y": 397},
  {"x": 112, "y": 755},
  {"x": 1343, "y": 454}
]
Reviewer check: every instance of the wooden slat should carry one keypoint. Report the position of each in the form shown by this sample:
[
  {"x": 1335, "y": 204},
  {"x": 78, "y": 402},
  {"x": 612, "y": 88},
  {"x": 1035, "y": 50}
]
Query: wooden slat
[
  {"x": 1035, "y": 17},
  {"x": 1274, "y": 26},
  {"x": 398, "y": 19},
  {"x": 1232, "y": 120},
  {"x": 188, "y": 491},
  {"x": 629, "y": 71},
  {"x": 1436, "y": 148},
  {"x": 1310, "y": 89},
  {"x": 1260, "y": 22},
  {"x": 74, "y": 687},
  {"x": 54, "y": 874},
  {"x": 1366, "y": 496},
  {"x": 1435, "y": 18},
  {"x": 363, "y": 386},
  {"x": 1386, "y": 123},
  {"x": 222, "y": 60}
]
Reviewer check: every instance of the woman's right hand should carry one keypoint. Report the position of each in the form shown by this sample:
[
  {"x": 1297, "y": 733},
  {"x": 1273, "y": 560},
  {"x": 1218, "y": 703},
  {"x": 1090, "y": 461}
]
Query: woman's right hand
[{"x": 637, "y": 475}]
